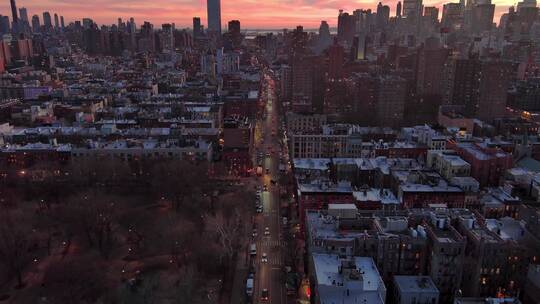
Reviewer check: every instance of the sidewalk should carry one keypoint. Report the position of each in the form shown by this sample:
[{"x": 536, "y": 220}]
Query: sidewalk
[{"x": 238, "y": 293}]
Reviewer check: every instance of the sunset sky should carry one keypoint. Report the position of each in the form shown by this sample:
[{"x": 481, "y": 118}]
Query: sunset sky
[{"x": 251, "y": 13}]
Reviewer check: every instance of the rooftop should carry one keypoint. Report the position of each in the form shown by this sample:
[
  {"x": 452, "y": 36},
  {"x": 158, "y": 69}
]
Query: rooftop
[
  {"x": 318, "y": 187},
  {"x": 412, "y": 187},
  {"x": 354, "y": 280},
  {"x": 312, "y": 163},
  {"x": 507, "y": 228},
  {"x": 415, "y": 284},
  {"x": 385, "y": 196}
]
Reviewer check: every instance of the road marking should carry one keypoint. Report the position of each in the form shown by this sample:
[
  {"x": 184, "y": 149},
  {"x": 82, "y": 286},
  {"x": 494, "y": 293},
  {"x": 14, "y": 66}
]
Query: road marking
[{"x": 268, "y": 243}]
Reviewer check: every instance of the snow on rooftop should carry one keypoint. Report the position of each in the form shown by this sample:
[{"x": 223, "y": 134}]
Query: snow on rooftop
[
  {"x": 337, "y": 286},
  {"x": 312, "y": 163},
  {"x": 385, "y": 196},
  {"x": 507, "y": 228},
  {"x": 415, "y": 284},
  {"x": 411, "y": 187}
]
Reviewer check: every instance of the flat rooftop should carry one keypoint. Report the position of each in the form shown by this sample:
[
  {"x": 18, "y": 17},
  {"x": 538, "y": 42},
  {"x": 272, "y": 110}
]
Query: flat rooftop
[
  {"x": 415, "y": 284},
  {"x": 327, "y": 271}
]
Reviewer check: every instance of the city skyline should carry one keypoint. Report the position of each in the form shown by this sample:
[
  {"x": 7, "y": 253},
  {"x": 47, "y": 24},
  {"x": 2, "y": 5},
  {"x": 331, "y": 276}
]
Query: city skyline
[{"x": 266, "y": 15}]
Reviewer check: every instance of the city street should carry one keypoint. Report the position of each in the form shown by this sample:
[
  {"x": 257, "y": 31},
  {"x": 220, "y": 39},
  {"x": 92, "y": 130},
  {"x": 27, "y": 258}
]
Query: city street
[{"x": 269, "y": 241}]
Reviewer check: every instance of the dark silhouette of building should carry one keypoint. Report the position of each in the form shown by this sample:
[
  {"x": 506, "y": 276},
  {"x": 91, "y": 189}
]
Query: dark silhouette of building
[
  {"x": 214, "y": 16},
  {"x": 36, "y": 26},
  {"x": 336, "y": 55},
  {"x": 197, "y": 31},
  {"x": 346, "y": 27},
  {"x": 14, "y": 16}
]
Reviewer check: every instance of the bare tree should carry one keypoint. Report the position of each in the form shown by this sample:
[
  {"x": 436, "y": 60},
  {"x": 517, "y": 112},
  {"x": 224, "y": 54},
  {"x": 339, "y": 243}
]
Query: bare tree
[
  {"x": 9, "y": 198},
  {"x": 184, "y": 183},
  {"x": 185, "y": 286},
  {"x": 14, "y": 248},
  {"x": 225, "y": 233},
  {"x": 74, "y": 281},
  {"x": 93, "y": 216},
  {"x": 142, "y": 292}
]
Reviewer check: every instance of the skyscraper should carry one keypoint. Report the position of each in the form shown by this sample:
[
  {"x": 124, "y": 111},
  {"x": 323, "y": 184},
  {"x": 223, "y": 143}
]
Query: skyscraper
[
  {"x": 335, "y": 63},
  {"x": 412, "y": 8},
  {"x": 47, "y": 21},
  {"x": 56, "y": 22},
  {"x": 23, "y": 14},
  {"x": 482, "y": 17},
  {"x": 452, "y": 16},
  {"x": 461, "y": 82},
  {"x": 147, "y": 40},
  {"x": 398, "y": 9},
  {"x": 495, "y": 80},
  {"x": 62, "y": 24},
  {"x": 234, "y": 27},
  {"x": 346, "y": 27},
  {"x": 430, "y": 69},
  {"x": 167, "y": 38},
  {"x": 233, "y": 37},
  {"x": 4, "y": 24},
  {"x": 325, "y": 39},
  {"x": 23, "y": 23},
  {"x": 383, "y": 14},
  {"x": 196, "y": 27},
  {"x": 133, "y": 25},
  {"x": 214, "y": 16},
  {"x": 431, "y": 13},
  {"x": 14, "y": 16},
  {"x": 36, "y": 26}
]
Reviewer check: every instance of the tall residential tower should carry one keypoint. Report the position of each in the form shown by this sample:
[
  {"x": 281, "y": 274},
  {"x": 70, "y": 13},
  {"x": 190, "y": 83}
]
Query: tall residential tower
[{"x": 214, "y": 16}]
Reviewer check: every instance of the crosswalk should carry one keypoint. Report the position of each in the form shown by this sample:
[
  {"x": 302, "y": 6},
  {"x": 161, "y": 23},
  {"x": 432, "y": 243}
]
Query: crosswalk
[
  {"x": 270, "y": 244},
  {"x": 273, "y": 260}
]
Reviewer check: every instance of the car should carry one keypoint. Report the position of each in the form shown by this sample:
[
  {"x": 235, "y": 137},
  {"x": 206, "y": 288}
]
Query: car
[
  {"x": 266, "y": 231},
  {"x": 273, "y": 182},
  {"x": 265, "y": 187},
  {"x": 259, "y": 209},
  {"x": 264, "y": 258},
  {"x": 255, "y": 233},
  {"x": 267, "y": 154},
  {"x": 264, "y": 295},
  {"x": 267, "y": 170}
]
